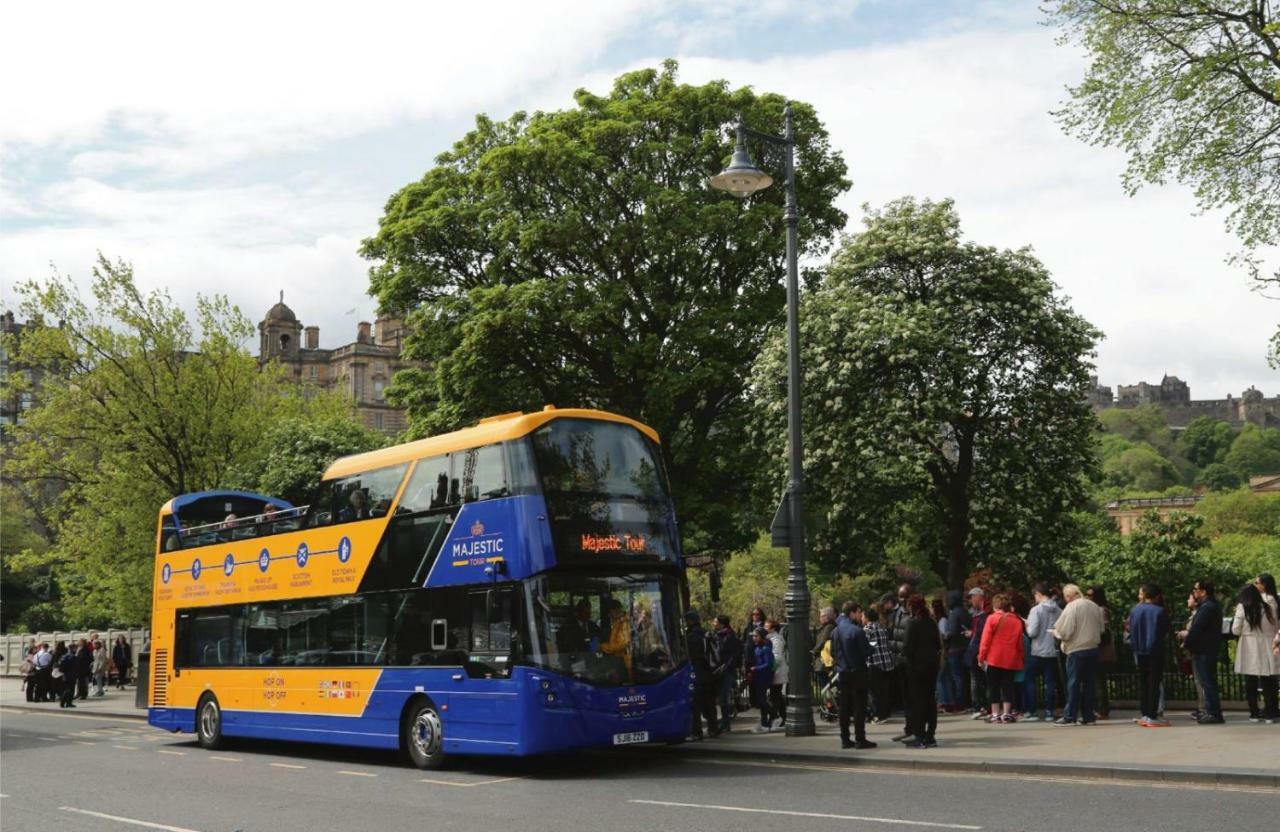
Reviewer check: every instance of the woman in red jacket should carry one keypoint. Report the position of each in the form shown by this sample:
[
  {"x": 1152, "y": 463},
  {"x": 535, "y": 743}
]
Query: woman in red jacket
[{"x": 1002, "y": 653}]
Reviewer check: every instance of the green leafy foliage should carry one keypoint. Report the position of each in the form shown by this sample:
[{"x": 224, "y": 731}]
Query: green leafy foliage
[
  {"x": 1240, "y": 512},
  {"x": 1189, "y": 91},
  {"x": 937, "y": 372},
  {"x": 137, "y": 404},
  {"x": 1139, "y": 467},
  {"x": 1255, "y": 450},
  {"x": 297, "y": 451},
  {"x": 1218, "y": 477},
  {"x": 1205, "y": 441},
  {"x": 579, "y": 258}
]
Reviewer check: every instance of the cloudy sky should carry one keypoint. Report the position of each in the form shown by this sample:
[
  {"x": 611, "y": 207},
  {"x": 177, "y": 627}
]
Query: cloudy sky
[{"x": 247, "y": 148}]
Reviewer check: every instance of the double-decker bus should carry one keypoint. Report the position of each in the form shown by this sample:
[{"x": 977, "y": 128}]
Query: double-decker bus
[{"x": 512, "y": 588}]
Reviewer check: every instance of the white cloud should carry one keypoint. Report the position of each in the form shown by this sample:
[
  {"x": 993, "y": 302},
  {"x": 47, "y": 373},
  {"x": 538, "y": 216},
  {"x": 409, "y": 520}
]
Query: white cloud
[{"x": 163, "y": 131}]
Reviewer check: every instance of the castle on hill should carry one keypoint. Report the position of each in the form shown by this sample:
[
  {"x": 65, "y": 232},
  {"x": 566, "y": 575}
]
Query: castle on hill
[{"x": 1173, "y": 396}]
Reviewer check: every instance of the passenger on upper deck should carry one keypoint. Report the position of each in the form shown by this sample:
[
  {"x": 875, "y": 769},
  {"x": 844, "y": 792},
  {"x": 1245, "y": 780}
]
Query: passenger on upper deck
[{"x": 357, "y": 510}]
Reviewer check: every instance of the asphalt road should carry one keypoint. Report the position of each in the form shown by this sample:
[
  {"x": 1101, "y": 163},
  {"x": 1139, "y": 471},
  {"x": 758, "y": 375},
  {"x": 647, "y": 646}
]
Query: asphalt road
[{"x": 81, "y": 772}]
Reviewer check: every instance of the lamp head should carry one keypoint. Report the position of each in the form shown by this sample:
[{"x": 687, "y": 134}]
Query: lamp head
[{"x": 742, "y": 178}]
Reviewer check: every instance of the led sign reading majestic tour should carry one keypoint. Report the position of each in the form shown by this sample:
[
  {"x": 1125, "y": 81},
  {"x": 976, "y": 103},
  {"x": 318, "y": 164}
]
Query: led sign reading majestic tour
[{"x": 635, "y": 544}]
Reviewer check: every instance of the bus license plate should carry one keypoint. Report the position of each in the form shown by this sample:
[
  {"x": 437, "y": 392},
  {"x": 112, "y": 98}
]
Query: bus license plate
[{"x": 628, "y": 738}]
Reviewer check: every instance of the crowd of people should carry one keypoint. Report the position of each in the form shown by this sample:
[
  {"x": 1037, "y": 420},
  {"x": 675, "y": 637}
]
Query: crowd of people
[
  {"x": 996, "y": 656},
  {"x": 69, "y": 672}
]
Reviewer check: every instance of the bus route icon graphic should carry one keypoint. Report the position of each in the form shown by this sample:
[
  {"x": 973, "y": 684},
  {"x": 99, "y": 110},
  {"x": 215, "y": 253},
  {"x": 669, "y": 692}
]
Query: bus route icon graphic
[
  {"x": 303, "y": 554},
  {"x": 166, "y": 572},
  {"x": 195, "y": 569},
  {"x": 344, "y": 550},
  {"x": 264, "y": 560},
  {"x": 228, "y": 564}
]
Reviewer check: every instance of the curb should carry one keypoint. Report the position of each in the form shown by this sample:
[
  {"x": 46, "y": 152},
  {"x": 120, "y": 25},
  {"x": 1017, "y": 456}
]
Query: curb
[
  {"x": 1236, "y": 778},
  {"x": 140, "y": 714}
]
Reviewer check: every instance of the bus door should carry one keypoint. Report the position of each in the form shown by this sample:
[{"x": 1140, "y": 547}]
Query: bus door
[{"x": 483, "y": 694}]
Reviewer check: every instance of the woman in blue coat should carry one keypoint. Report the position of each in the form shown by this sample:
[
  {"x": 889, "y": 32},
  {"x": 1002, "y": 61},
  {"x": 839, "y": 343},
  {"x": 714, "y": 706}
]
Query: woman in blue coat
[{"x": 761, "y": 668}]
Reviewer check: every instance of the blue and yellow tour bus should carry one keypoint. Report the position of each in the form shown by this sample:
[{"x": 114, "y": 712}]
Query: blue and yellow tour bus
[{"x": 512, "y": 588}]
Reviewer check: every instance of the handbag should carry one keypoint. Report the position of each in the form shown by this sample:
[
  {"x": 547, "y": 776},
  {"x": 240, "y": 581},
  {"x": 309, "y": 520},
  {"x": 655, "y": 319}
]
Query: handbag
[{"x": 57, "y": 673}]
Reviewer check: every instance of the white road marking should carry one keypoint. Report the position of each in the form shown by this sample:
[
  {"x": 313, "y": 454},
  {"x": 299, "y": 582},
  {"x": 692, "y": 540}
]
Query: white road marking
[
  {"x": 3, "y": 795},
  {"x": 167, "y": 751},
  {"x": 284, "y": 765},
  {"x": 356, "y": 773},
  {"x": 126, "y": 747},
  {"x": 148, "y": 824},
  {"x": 84, "y": 742},
  {"x": 471, "y": 785},
  {"x": 224, "y": 759},
  {"x": 48, "y": 739},
  {"x": 823, "y": 815}
]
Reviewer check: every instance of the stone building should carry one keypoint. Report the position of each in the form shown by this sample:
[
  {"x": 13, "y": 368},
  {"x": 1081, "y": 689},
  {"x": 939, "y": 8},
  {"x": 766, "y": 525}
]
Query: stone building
[
  {"x": 362, "y": 368},
  {"x": 13, "y": 408},
  {"x": 1173, "y": 396}
]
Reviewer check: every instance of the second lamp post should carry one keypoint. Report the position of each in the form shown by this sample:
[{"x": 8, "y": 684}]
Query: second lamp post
[{"x": 742, "y": 178}]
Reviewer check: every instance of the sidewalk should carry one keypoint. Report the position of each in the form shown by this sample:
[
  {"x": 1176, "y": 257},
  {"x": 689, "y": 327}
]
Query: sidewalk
[
  {"x": 116, "y": 703},
  {"x": 1239, "y": 753}
]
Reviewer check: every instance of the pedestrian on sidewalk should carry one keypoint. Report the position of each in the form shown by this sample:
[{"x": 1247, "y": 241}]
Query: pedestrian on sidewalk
[
  {"x": 1203, "y": 640},
  {"x": 65, "y": 669},
  {"x": 1002, "y": 654},
  {"x": 978, "y": 693},
  {"x": 879, "y": 665},
  {"x": 922, "y": 653},
  {"x": 1079, "y": 628},
  {"x": 84, "y": 668},
  {"x": 944, "y": 688},
  {"x": 826, "y": 626},
  {"x": 43, "y": 673},
  {"x": 28, "y": 672},
  {"x": 956, "y": 640},
  {"x": 100, "y": 661},
  {"x": 777, "y": 692},
  {"x": 701, "y": 650},
  {"x": 1106, "y": 650},
  {"x": 1256, "y": 623},
  {"x": 1043, "y": 659},
  {"x": 761, "y": 676},
  {"x": 122, "y": 658},
  {"x": 1148, "y": 632},
  {"x": 851, "y": 650},
  {"x": 728, "y": 659}
]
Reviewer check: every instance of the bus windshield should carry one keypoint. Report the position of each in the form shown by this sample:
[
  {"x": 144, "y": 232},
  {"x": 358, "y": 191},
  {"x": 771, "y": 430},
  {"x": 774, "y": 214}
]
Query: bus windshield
[
  {"x": 609, "y": 630},
  {"x": 606, "y": 490}
]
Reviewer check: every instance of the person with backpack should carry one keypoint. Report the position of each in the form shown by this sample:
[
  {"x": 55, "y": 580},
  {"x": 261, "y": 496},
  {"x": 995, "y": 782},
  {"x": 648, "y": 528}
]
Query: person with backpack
[
  {"x": 701, "y": 660},
  {"x": 726, "y": 660},
  {"x": 761, "y": 672},
  {"x": 65, "y": 670}
]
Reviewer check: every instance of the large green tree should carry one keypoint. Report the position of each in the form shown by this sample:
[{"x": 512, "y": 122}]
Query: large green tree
[
  {"x": 1205, "y": 440},
  {"x": 138, "y": 403},
  {"x": 1190, "y": 91},
  {"x": 297, "y": 450},
  {"x": 1255, "y": 450},
  {"x": 578, "y": 258},
  {"x": 942, "y": 370}
]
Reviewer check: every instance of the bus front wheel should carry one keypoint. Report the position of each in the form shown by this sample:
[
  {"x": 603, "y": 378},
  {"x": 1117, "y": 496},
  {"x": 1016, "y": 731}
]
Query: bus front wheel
[
  {"x": 209, "y": 722},
  {"x": 424, "y": 736}
]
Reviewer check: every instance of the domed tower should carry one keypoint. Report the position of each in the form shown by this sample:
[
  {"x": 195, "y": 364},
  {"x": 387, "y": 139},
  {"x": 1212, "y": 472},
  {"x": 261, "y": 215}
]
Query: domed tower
[{"x": 280, "y": 334}]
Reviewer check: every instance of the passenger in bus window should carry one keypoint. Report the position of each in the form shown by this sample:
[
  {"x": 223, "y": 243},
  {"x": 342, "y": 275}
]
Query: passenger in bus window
[
  {"x": 356, "y": 509},
  {"x": 618, "y": 643}
]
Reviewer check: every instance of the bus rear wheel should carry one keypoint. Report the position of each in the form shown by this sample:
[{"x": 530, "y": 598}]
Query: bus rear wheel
[
  {"x": 209, "y": 722},
  {"x": 424, "y": 736}
]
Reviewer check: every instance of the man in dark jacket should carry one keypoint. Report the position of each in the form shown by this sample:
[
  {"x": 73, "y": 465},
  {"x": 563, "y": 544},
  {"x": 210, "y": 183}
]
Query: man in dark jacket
[
  {"x": 84, "y": 669},
  {"x": 1203, "y": 639},
  {"x": 727, "y": 660},
  {"x": 850, "y": 649},
  {"x": 958, "y": 623},
  {"x": 704, "y": 690},
  {"x": 977, "y": 679}
]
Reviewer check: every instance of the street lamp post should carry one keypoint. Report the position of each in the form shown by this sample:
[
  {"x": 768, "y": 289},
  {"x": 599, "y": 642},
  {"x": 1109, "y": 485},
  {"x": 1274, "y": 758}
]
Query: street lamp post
[{"x": 742, "y": 178}]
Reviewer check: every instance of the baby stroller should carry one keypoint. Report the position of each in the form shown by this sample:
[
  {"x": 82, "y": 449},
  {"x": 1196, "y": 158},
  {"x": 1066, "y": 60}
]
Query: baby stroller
[{"x": 828, "y": 699}]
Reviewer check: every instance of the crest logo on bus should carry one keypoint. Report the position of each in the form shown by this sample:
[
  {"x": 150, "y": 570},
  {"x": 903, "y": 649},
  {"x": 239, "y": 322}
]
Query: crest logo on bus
[{"x": 477, "y": 529}]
